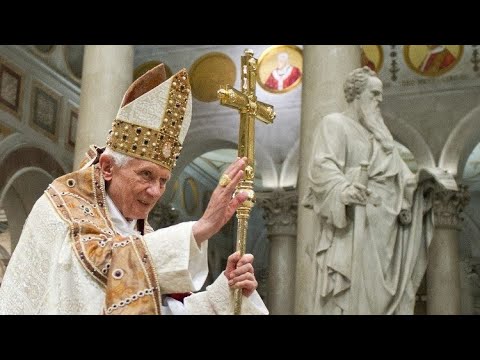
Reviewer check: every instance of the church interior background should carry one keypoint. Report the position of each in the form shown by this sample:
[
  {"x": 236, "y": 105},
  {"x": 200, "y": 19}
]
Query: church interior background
[{"x": 434, "y": 117}]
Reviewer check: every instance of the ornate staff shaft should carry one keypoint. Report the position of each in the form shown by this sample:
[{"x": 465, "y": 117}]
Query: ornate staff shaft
[{"x": 250, "y": 109}]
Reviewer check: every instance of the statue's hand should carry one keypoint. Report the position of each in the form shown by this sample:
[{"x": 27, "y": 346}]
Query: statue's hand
[
  {"x": 405, "y": 217},
  {"x": 355, "y": 193}
]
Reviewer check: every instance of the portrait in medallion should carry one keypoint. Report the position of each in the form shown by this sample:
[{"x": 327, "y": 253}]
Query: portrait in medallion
[
  {"x": 280, "y": 68},
  {"x": 372, "y": 56},
  {"x": 432, "y": 60}
]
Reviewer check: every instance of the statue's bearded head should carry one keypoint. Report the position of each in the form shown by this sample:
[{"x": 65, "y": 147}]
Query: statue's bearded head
[{"x": 365, "y": 90}]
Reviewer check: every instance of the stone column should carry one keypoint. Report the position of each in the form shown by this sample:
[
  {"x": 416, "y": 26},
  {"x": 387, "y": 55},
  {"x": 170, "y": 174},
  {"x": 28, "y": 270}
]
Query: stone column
[
  {"x": 443, "y": 277},
  {"x": 280, "y": 212},
  {"x": 107, "y": 73},
  {"x": 325, "y": 68}
]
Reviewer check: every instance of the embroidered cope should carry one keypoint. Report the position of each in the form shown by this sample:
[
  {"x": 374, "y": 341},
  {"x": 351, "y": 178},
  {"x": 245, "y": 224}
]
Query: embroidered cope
[{"x": 60, "y": 265}]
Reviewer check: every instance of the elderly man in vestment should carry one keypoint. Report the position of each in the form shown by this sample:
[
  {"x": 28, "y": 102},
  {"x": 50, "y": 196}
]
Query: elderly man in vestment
[
  {"x": 371, "y": 263},
  {"x": 437, "y": 59},
  {"x": 284, "y": 75},
  {"x": 86, "y": 247}
]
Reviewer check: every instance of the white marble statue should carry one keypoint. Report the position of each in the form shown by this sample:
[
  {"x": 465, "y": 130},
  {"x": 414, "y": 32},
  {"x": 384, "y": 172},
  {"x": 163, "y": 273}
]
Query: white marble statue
[{"x": 372, "y": 239}]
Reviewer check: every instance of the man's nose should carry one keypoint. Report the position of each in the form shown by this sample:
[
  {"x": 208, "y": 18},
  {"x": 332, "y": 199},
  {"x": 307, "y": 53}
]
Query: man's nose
[{"x": 154, "y": 190}]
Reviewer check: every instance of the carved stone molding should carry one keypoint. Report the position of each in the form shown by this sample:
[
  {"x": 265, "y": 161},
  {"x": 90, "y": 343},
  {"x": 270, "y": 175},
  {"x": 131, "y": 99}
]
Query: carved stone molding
[
  {"x": 448, "y": 206},
  {"x": 163, "y": 215},
  {"x": 280, "y": 211}
]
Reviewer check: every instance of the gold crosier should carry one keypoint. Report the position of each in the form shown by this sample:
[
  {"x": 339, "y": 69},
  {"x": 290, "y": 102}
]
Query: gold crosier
[{"x": 250, "y": 109}]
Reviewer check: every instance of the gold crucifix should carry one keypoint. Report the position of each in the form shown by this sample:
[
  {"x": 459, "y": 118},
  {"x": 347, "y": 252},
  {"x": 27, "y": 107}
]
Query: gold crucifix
[{"x": 250, "y": 109}]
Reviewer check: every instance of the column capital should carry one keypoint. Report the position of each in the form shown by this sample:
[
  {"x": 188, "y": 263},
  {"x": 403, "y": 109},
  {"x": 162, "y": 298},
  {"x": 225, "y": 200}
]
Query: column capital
[
  {"x": 280, "y": 211},
  {"x": 448, "y": 206}
]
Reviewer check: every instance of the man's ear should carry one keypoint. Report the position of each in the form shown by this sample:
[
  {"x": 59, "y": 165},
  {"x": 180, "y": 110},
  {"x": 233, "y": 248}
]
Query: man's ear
[{"x": 106, "y": 165}]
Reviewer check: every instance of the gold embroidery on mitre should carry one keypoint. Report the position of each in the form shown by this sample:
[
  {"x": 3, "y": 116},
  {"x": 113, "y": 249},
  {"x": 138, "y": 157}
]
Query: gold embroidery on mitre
[{"x": 161, "y": 146}]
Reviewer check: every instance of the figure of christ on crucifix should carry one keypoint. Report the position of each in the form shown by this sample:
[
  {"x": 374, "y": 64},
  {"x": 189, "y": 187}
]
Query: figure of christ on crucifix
[{"x": 245, "y": 101}]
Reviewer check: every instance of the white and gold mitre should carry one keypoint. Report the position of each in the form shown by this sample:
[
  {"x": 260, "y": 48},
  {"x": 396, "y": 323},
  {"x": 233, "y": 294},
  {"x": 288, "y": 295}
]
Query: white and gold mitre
[{"x": 154, "y": 124}]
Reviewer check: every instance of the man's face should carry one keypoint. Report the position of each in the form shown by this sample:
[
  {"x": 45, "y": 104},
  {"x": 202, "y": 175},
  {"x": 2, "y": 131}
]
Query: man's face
[
  {"x": 372, "y": 95},
  {"x": 370, "y": 115},
  {"x": 136, "y": 187},
  {"x": 282, "y": 61}
]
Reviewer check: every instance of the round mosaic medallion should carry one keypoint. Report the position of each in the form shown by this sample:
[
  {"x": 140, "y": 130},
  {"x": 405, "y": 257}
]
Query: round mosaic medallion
[
  {"x": 208, "y": 73},
  {"x": 432, "y": 60},
  {"x": 372, "y": 56},
  {"x": 280, "y": 68}
]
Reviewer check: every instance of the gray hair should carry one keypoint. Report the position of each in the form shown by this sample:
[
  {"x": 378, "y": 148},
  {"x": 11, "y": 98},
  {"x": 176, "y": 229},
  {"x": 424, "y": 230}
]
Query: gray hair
[
  {"x": 282, "y": 56},
  {"x": 119, "y": 159},
  {"x": 356, "y": 82}
]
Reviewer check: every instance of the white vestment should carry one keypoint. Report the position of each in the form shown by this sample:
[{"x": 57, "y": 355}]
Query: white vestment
[
  {"x": 45, "y": 277},
  {"x": 380, "y": 271}
]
